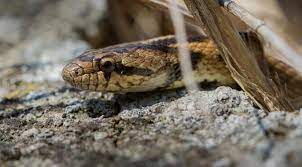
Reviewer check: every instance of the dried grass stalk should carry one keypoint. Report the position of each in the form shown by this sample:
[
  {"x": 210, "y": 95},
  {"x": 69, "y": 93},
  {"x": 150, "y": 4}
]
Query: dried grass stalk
[
  {"x": 239, "y": 58},
  {"x": 164, "y": 6},
  {"x": 266, "y": 100},
  {"x": 270, "y": 37},
  {"x": 184, "y": 53}
]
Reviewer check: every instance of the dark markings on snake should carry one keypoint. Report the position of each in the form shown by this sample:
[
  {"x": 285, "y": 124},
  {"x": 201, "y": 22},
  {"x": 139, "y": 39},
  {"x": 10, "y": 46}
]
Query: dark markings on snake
[
  {"x": 124, "y": 70},
  {"x": 85, "y": 57},
  {"x": 195, "y": 59},
  {"x": 157, "y": 45}
]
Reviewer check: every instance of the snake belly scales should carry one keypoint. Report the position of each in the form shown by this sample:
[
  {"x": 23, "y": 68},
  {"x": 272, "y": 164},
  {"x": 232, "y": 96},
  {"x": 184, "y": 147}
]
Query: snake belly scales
[{"x": 153, "y": 64}]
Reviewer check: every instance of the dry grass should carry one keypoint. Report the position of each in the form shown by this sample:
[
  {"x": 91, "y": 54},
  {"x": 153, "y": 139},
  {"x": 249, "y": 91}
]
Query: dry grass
[
  {"x": 266, "y": 93},
  {"x": 184, "y": 52}
]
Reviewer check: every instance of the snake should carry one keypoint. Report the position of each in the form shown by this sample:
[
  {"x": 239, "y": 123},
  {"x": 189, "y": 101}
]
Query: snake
[{"x": 154, "y": 64}]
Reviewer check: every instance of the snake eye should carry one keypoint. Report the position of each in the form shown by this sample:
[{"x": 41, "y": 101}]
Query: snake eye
[{"x": 107, "y": 65}]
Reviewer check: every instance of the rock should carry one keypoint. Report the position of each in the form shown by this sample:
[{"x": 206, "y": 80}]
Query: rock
[
  {"x": 45, "y": 122},
  {"x": 30, "y": 133},
  {"x": 100, "y": 135}
]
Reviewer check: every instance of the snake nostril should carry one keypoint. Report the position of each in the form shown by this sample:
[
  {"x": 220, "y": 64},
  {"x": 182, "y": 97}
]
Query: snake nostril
[
  {"x": 77, "y": 72},
  {"x": 70, "y": 71},
  {"x": 73, "y": 69}
]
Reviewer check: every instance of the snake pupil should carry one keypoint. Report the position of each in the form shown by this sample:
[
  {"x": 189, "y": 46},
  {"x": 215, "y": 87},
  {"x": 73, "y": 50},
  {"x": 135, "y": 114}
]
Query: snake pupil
[
  {"x": 108, "y": 66},
  {"x": 107, "y": 76}
]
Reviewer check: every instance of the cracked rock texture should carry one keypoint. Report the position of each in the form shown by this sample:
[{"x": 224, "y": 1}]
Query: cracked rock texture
[{"x": 44, "y": 122}]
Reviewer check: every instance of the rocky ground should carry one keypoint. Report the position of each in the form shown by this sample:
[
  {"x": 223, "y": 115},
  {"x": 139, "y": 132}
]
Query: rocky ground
[{"x": 44, "y": 122}]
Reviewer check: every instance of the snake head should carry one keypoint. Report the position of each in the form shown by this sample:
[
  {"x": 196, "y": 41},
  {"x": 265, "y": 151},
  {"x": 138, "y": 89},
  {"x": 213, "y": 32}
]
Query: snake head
[
  {"x": 118, "y": 72},
  {"x": 90, "y": 70}
]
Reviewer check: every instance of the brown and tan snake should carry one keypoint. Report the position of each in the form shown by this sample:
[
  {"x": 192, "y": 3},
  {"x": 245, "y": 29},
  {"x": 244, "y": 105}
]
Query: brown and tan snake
[{"x": 153, "y": 64}]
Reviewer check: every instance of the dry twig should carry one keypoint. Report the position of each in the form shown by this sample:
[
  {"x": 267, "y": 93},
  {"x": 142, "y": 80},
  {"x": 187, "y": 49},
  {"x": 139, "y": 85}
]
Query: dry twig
[
  {"x": 239, "y": 59},
  {"x": 270, "y": 37},
  {"x": 245, "y": 70},
  {"x": 184, "y": 53}
]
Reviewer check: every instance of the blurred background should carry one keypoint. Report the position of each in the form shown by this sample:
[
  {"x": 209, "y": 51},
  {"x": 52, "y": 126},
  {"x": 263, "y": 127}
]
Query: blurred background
[{"x": 44, "y": 122}]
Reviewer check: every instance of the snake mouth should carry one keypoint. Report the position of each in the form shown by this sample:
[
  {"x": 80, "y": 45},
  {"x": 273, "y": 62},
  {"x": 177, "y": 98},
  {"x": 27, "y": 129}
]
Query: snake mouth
[
  {"x": 83, "y": 78},
  {"x": 129, "y": 80}
]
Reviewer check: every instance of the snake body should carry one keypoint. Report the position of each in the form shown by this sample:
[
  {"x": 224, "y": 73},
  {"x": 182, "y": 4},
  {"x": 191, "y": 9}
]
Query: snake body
[
  {"x": 154, "y": 64},
  {"x": 145, "y": 66}
]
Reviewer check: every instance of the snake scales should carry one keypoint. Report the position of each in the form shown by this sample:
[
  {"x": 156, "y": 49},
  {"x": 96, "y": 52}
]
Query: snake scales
[{"x": 153, "y": 64}]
